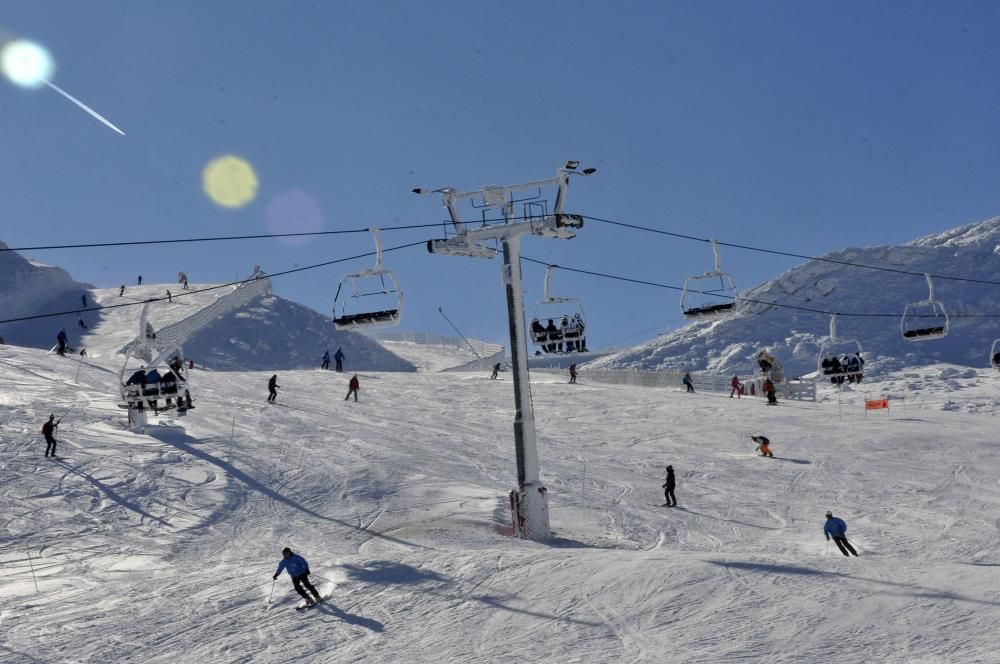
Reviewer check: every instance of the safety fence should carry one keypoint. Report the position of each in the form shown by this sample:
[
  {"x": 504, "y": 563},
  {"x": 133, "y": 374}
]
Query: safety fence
[
  {"x": 798, "y": 390},
  {"x": 481, "y": 348}
]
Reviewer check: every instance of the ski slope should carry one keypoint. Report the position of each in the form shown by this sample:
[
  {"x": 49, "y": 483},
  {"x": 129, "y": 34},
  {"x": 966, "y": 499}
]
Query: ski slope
[{"x": 160, "y": 548}]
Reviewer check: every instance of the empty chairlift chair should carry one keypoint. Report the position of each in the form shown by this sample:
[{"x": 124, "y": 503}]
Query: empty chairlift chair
[
  {"x": 925, "y": 320},
  {"x": 709, "y": 295},
  {"x": 368, "y": 299},
  {"x": 558, "y": 324}
]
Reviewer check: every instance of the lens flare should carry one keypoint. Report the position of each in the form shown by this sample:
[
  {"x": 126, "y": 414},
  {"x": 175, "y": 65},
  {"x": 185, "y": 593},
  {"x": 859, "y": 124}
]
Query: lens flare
[
  {"x": 26, "y": 63},
  {"x": 294, "y": 212},
  {"x": 229, "y": 181}
]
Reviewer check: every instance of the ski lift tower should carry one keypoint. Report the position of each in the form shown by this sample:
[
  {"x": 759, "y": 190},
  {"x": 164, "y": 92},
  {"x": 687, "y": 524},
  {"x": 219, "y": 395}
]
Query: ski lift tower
[{"x": 528, "y": 502}]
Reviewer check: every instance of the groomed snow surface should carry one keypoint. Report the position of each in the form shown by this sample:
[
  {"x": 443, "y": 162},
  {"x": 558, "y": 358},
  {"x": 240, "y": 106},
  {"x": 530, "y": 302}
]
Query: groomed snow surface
[{"x": 160, "y": 547}]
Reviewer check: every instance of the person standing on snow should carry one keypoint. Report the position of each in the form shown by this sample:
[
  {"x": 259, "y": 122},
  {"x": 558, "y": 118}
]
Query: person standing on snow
[
  {"x": 837, "y": 529},
  {"x": 61, "y": 340},
  {"x": 49, "y": 430},
  {"x": 272, "y": 386},
  {"x": 338, "y": 357},
  {"x": 496, "y": 370},
  {"x": 772, "y": 400},
  {"x": 572, "y": 374},
  {"x": 668, "y": 488},
  {"x": 138, "y": 282},
  {"x": 353, "y": 387},
  {"x": 687, "y": 382},
  {"x": 326, "y": 360},
  {"x": 298, "y": 569},
  {"x": 737, "y": 388},
  {"x": 121, "y": 291}
]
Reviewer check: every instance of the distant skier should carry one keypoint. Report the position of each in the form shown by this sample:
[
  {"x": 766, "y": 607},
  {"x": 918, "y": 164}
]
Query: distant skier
[
  {"x": 572, "y": 374},
  {"x": 169, "y": 297},
  {"x": 687, "y": 382},
  {"x": 121, "y": 291},
  {"x": 353, "y": 387},
  {"x": 182, "y": 279},
  {"x": 737, "y": 388},
  {"x": 272, "y": 386},
  {"x": 338, "y": 357},
  {"x": 837, "y": 529},
  {"x": 496, "y": 370},
  {"x": 61, "y": 340},
  {"x": 49, "y": 430},
  {"x": 298, "y": 569},
  {"x": 139, "y": 281},
  {"x": 326, "y": 361},
  {"x": 772, "y": 400},
  {"x": 763, "y": 445},
  {"x": 668, "y": 488},
  {"x": 79, "y": 321},
  {"x": 83, "y": 299}
]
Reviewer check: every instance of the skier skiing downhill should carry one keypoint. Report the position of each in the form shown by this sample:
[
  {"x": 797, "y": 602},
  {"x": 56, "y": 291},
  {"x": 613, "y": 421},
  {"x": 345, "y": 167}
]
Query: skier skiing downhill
[
  {"x": 668, "y": 488},
  {"x": 272, "y": 386},
  {"x": 496, "y": 369},
  {"x": 737, "y": 387},
  {"x": 49, "y": 430},
  {"x": 353, "y": 387},
  {"x": 326, "y": 360},
  {"x": 298, "y": 569},
  {"x": 61, "y": 340},
  {"x": 572, "y": 374},
  {"x": 339, "y": 359},
  {"x": 763, "y": 445},
  {"x": 837, "y": 529}
]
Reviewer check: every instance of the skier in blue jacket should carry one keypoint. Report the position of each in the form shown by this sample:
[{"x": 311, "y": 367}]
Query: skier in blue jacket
[
  {"x": 298, "y": 569},
  {"x": 837, "y": 529},
  {"x": 326, "y": 360}
]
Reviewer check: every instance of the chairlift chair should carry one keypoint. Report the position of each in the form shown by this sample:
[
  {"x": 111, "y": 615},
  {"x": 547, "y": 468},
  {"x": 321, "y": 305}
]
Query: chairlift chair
[
  {"x": 709, "y": 295},
  {"x": 925, "y": 320},
  {"x": 142, "y": 394},
  {"x": 376, "y": 282},
  {"x": 828, "y": 364},
  {"x": 995, "y": 354},
  {"x": 568, "y": 332}
]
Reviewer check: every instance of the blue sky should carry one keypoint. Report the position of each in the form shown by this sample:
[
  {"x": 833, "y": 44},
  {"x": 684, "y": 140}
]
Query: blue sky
[{"x": 801, "y": 126}]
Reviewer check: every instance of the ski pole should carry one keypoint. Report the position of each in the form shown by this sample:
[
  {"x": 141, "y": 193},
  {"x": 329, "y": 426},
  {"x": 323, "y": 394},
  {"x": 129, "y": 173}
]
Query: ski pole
[{"x": 272, "y": 593}]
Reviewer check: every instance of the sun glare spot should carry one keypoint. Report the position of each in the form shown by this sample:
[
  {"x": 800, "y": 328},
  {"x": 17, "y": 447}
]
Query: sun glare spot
[
  {"x": 229, "y": 181},
  {"x": 26, "y": 63}
]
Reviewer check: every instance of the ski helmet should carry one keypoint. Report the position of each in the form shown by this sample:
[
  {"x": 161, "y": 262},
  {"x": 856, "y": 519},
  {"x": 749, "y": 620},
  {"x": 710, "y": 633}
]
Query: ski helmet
[{"x": 286, "y": 551}]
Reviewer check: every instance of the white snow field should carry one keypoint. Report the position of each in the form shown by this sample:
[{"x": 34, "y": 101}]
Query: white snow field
[{"x": 160, "y": 547}]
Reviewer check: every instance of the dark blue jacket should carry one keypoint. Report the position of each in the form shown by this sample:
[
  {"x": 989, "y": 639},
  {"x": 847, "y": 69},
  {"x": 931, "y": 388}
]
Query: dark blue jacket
[
  {"x": 339, "y": 355},
  {"x": 295, "y": 564},
  {"x": 834, "y": 527}
]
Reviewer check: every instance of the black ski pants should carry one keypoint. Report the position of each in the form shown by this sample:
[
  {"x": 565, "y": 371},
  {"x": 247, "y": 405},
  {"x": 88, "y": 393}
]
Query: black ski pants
[
  {"x": 325, "y": 365},
  {"x": 50, "y": 445},
  {"x": 671, "y": 499},
  {"x": 303, "y": 580},
  {"x": 349, "y": 393},
  {"x": 273, "y": 394},
  {"x": 844, "y": 546},
  {"x": 340, "y": 365}
]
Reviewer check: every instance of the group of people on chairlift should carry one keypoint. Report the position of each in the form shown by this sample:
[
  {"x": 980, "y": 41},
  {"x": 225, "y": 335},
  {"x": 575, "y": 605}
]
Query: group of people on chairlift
[
  {"x": 567, "y": 337},
  {"x": 144, "y": 384},
  {"x": 846, "y": 366}
]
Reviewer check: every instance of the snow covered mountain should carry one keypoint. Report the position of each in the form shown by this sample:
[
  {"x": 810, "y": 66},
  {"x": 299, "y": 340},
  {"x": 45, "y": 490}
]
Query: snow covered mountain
[
  {"x": 794, "y": 337},
  {"x": 268, "y": 333},
  {"x": 28, "y": 288}
]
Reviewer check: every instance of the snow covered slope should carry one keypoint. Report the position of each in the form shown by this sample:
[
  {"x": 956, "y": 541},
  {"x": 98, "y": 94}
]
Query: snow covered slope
[
  {"x": 29, "y": 288},
  {"x": 270, "y": 333},
  {"x": 160, "y": 548},
  {"x": 793, "y": 336}
]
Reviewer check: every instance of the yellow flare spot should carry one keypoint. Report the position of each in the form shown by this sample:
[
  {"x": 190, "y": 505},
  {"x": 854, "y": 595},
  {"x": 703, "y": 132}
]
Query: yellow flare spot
[{"x": 229, "y": 181}]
